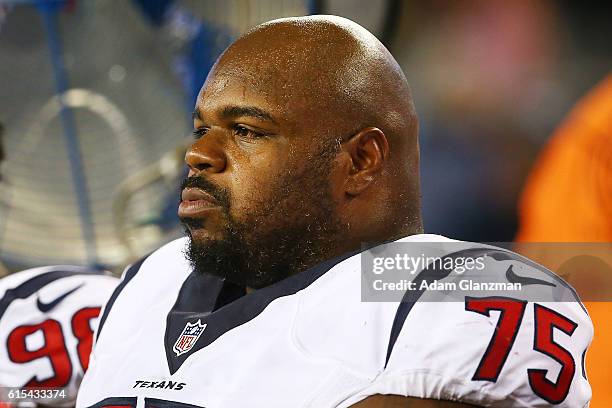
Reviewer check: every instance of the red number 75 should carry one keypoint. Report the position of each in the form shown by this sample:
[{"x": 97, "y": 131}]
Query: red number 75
[{"x": 545, "y": 321}]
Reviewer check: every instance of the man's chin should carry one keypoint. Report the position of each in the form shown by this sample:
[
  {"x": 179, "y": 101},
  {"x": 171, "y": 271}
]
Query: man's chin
[
  {"x": 206, "y": 253},
  {"x": 231, "y": 260}
]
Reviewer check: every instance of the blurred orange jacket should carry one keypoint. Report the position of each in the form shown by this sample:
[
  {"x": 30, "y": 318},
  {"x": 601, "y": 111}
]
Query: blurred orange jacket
[{"x": 568, "y": 198}]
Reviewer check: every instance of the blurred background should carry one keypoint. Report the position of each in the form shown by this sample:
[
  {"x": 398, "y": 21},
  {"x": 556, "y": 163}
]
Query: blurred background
[{"x": 96, "y": 98}]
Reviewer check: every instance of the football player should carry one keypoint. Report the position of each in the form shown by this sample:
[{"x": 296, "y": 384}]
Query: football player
[
  {"x": 47, "y": 319},
  {"x": 306, "y": 150}
]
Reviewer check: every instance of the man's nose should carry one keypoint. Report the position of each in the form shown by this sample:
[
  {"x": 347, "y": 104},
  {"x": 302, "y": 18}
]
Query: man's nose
[{"x": 206, "y": 154}]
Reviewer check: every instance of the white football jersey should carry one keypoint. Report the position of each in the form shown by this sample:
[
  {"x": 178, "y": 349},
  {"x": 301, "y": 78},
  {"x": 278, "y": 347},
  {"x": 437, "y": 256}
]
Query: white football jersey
[
  {"x": 47, "y": 319},
  {"x": 171, "y": 337}
]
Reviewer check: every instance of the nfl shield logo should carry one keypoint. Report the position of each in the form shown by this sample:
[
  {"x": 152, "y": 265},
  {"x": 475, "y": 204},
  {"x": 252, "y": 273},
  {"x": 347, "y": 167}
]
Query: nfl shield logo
[{"x": 191, "y": 333}]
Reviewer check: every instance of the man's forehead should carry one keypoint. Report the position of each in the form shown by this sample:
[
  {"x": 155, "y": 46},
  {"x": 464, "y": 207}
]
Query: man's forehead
[
  {"x": 265, "y": 78},
  {"x": 223, "y": 90}
]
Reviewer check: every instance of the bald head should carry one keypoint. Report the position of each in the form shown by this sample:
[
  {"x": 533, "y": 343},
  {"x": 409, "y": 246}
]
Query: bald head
[
  {"x": 330, "y": 75},
  {"x": 326, "y": 67},
  {"x": 307, "y": 136}
]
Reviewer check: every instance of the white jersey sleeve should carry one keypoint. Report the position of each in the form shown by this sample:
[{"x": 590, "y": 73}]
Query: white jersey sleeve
[
  {"x": 47, "y": 319},
  {"x": 477, "y": 360},
  {"x": 492, "y": 350}
]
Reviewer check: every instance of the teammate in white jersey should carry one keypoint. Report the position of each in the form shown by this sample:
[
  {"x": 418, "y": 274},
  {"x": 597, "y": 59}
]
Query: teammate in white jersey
[
  {"x": 306, "y": 150},
  {"x": 47, "y": 319}
]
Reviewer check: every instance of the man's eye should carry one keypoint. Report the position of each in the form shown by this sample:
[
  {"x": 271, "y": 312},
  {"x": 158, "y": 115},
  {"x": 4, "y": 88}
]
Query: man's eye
[
  {"x": 246, "y": 132},
  {"x": 198, "y": 133}
]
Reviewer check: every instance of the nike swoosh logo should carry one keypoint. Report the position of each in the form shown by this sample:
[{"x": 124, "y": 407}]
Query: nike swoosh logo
[
  {"x": 45, "y": 307},
  {"x": 512, "y": 277}
]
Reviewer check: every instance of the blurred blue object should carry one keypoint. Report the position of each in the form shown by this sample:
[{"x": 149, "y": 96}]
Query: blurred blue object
[{"x": 154, "y": 10}]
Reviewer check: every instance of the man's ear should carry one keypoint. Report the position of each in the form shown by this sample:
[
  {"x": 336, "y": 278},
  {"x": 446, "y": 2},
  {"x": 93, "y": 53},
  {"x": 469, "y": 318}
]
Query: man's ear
[{"x": 368, "y": 151}]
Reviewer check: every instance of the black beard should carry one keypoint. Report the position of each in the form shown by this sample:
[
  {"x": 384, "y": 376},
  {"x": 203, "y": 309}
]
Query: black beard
[
  {"x": 293, "y": 230},
  {"x": 269, "y": 259}
]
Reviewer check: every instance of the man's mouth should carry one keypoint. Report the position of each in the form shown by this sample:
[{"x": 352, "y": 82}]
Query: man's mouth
[{"x": 196, "y": 203}]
